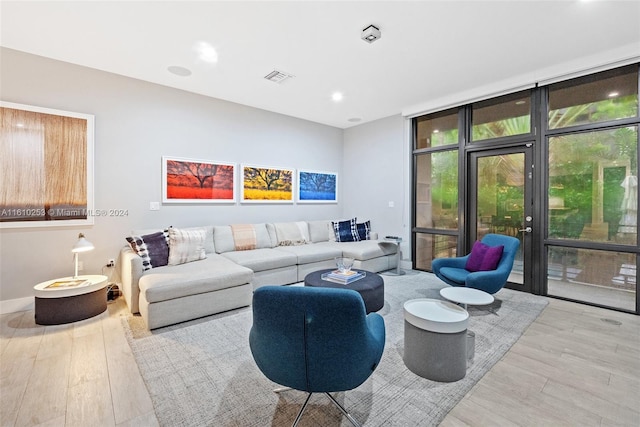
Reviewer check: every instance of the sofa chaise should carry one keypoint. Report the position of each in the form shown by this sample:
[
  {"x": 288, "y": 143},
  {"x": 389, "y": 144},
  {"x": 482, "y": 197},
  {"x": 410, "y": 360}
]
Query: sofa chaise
[{"x": 224, "y": 264}]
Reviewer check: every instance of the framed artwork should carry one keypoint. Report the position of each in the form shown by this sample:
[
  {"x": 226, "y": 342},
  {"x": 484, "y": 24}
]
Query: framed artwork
[
  {"x": 267, "y": 184},
  {"x": 317, "y": 187},
  {"x": 46, "y": 167},
  {"x": 197, "y": 181}
]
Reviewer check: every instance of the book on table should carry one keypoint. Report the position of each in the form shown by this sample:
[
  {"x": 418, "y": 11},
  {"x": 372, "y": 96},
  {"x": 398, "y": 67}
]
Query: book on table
[
  {"x": 343, "y": 278},
  {"x": 67, "y": 283}
]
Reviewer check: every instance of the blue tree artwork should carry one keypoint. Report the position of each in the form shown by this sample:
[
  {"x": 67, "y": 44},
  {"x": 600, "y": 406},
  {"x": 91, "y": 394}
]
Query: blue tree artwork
[{"x": 318, "y": 187}]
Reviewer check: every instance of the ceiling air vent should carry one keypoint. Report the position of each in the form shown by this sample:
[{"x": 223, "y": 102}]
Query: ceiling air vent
[{"x": 277, "y": 76}]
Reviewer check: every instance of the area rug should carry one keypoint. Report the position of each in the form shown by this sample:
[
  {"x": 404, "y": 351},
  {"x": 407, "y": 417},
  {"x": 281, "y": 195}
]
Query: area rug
[{"x": 201, "y": 373}]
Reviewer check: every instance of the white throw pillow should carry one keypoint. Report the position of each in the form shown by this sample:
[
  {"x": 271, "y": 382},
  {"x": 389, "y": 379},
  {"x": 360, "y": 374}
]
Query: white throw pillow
[{"x": 186, "y": 245}]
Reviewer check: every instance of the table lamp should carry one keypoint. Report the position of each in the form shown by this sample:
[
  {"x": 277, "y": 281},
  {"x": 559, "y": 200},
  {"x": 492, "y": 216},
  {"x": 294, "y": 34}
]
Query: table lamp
[{"x": 82, "y": 245}]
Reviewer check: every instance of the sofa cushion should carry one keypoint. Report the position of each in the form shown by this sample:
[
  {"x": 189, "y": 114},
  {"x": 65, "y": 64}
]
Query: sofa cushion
[
  {"x": 210, "y": 274},
  {"x": 262, "y": 259},
  {"x": 152, "y": 248},
  {"x": 186, "y": 245},
  {"x": 366, "y": 249},
  {"x": 319, "y": 231},
  {"x": 223, "y": 238},
  {"x": 306, "y": 254}
]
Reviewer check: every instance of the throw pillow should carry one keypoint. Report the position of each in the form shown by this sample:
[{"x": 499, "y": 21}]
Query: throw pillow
[
  {"x": 491, "y": 258},
  {"x": 474, "y": 262},
  {"x": 364, "y": 230},
  {"x": 292, "y": 242},
  {"x": 186, "y": 245},
  {"x": 345, "y": 231},
  {"x": 244, "y": 237},
  {"x": 288, "y": 232},
  {"x": 152, "y": 248},
  {"x": 484, "y": 257}
]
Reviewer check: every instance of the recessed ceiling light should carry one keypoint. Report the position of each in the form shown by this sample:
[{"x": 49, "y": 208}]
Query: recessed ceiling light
[
  {"x": 613, "y": 94},
  {"x": 337, "y": 96},
  {"x": 20, "y": 125},
  {"x": 521, "y": 102},
  {"x": 354, "y": 119},
  {"x": 206, "y": 52},
  {"x": 179, "y": 71}
]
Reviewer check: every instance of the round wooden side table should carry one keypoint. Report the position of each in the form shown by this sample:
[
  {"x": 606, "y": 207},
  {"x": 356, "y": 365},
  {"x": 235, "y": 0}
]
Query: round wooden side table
[{"x": 64, "y": 300}]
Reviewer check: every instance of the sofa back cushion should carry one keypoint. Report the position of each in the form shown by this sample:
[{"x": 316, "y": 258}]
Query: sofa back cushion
[
  {"x": 320, "y": 231},
  {"x": 224, "y": 241},
  {"x": 289, "y": 233}
]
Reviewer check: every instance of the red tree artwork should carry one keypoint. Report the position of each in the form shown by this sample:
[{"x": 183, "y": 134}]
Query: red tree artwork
[{"x": 190, "y": 180}]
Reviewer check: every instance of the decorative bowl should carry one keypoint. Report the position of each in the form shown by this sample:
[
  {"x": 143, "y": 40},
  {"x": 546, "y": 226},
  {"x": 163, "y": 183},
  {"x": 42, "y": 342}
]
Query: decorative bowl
[{"x": 344, "y": 264}]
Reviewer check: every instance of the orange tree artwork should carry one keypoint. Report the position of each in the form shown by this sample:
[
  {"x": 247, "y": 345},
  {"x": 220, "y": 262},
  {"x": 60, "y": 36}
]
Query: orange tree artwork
[{"x": 199, "y": 180}]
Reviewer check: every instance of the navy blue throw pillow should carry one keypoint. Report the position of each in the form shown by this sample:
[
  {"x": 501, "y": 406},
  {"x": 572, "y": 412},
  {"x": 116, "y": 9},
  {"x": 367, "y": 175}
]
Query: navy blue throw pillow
[
  {"x": 364, "y": 230},
  {"x": 346, "y": 231},
  {"x": 152, "y": 248}
]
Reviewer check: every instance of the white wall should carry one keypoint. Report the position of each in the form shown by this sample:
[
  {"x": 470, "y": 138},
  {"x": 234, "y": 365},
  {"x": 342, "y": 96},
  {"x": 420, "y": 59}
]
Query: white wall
[
  {"x": 376, "y": 172},
  {"x": 136, "y": 124}
]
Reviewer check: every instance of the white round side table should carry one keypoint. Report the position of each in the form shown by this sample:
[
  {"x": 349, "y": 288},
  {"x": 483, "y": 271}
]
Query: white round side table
[
  {"x": 58, "y": 301},
  {"x": 467, "y": 296},
  {"x": 434, "y": 339}
]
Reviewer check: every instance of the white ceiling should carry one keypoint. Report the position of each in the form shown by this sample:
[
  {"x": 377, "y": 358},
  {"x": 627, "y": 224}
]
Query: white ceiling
[{"x": 429, "y": 50}]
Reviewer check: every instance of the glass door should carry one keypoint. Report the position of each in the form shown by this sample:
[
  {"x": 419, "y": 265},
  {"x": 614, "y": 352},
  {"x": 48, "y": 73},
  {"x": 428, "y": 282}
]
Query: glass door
[{"x": 501, "y": 202}]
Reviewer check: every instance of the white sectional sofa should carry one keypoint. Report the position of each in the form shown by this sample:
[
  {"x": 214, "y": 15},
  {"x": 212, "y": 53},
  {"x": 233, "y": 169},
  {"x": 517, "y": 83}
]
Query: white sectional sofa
[{"x": 226, "y": 273}]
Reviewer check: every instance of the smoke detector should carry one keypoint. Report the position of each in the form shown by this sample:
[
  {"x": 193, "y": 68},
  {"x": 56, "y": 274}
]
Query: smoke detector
[
  {"x": 371, "y": 34},
  {"x": 277, "y": 76}
]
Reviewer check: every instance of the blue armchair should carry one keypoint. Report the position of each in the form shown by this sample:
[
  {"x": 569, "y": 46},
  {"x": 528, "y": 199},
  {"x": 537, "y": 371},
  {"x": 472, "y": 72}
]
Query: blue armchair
[
  {"x": 315, "y": 339},
  {"x": 453, "y": 272}
]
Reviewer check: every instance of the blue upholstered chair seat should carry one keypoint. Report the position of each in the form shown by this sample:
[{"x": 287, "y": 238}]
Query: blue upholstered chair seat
[
  {"x": 458, "y": 275},
  {"x": 453, "y": 272}
]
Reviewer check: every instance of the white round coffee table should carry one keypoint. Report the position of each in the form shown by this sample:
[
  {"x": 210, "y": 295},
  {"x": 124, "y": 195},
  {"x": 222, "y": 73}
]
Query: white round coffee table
[
  {"x": 435, "y": 339},
  {"x": 69, "y": 299},
  {"x": 466, "y": 296}
]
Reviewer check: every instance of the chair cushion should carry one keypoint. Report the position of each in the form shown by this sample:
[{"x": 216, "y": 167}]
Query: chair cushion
[
  {"x": 458, "y": 275},
  {"x": 484, "y": 257}
]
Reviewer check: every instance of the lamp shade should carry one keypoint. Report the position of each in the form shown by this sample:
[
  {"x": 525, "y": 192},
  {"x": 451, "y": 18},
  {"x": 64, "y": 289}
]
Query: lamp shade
[{"x": 82, "y": 245}]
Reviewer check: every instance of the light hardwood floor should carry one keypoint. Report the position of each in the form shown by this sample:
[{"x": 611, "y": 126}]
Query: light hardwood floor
[{"x": 569, "y": 368}]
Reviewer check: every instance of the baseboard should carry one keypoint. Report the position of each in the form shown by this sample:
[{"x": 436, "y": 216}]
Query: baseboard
[{"x": 15, "y": 305}]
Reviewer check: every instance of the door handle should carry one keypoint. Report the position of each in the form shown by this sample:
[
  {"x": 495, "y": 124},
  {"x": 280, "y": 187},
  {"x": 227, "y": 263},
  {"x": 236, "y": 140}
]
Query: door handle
[{"x": 526, "y": 230}]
